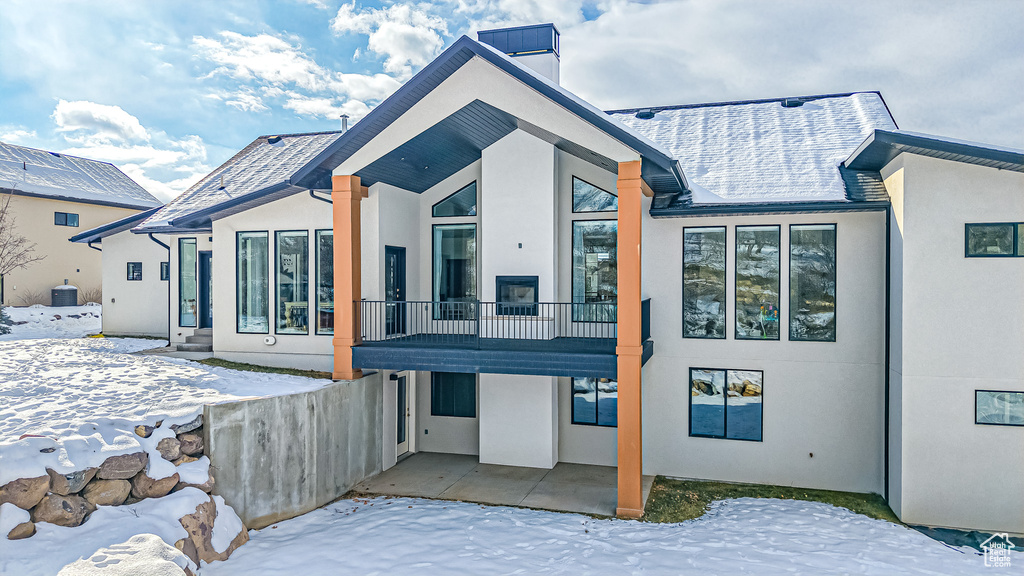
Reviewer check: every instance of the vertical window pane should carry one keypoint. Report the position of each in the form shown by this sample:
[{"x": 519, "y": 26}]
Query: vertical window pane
[
  {"x": 589, "y": 198},
  {"x": 72, "y": 219},
  {"x": 812, "y": 283},
  {"x": 165, "y": 271},
  {"x": 607, "y": 402},
  {"x": 594, "y": 270},
  {"x": 584, "y": 400},
  {"x": 187, "y": 286},
  {"x": 292, "y": 282},
  {"x": 993, "y": 407},
  {"x": 1020, "y": 239},
  {"x": 704, "y": 282},
  {"x": 253, "y": 281},
  {"x": 60, "y": 218},
  {"x": 707, "y": 402},
  {"x": 454, "y": 269},
  {"x": 461, "y": 203},
  {"x": 757, "y": 282},
  {"x": 743, "y": 405},
  {"x": 325, "y": 282},
  {"x": 990, "y": 239},
  {"x": 453, "y": 394}
]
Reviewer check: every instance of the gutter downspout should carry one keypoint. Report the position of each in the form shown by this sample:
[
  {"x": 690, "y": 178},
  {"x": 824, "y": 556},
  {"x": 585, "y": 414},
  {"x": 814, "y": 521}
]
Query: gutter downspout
[
  {"x": 888, "y": 312},
  {"x": 312, "y": 195},
  {"x": 168, "y": 285},
  {"x": 89, "y": 244}
]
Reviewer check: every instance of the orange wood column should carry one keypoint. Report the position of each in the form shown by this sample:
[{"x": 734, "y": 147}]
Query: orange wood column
[
  {"x": 630, "y": 348},
  {"x": 346, "y": 195}
]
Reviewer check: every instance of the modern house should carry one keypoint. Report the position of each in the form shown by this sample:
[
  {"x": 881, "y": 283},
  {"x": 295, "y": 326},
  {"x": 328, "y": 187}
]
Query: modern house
[
  {"x": 787, "y": 291},
  {"x": 52, "y": 197}
]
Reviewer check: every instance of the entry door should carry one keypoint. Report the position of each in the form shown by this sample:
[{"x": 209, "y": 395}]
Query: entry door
[
  {"x": 402, "y": 412},
  {"x": 394, "y": 289},
  {"x": 205, "y": 289}
]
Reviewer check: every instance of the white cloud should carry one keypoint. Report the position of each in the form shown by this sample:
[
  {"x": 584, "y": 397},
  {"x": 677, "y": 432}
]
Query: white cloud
[
  {"x": 97, "y": 121},
  {"x": 406, "y": 35},
  {"x": 324, "y": 107},
  {"x": 246, "y": 100},
  {"x": 16, "y": 134}
]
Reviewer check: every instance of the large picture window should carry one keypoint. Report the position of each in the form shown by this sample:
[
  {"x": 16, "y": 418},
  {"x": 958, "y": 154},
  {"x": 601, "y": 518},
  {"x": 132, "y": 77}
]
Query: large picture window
[
  {"x": 812, "y": 282},
  {"x": 453, "y": 394},
  {"x": 589, "y": 198},
  {"x": 757, "y": 282},
  {"x": 726, "y": 403},
  {"x": 704, "y": 282},
  {"x": 325, "y": 282},
  {"x": 594, "y": 270},
  {"x": 461, "y": 203},
  {"x": 999, "y": 407},
  {"x": 994, "y": 240},
  {"x": 188, "y": 287},
  {"x": 252, "y": 273},
  {"x": 455, "y": 270},
  {"x": 595, "y": 401},
  {"x": 292, "y": 273}
]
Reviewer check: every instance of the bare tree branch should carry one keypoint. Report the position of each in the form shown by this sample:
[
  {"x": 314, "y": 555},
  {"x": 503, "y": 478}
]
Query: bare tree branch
[{"x": 16, "y": 251}]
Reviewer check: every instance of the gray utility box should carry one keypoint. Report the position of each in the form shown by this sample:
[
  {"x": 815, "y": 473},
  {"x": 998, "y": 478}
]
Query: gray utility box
[{"x": 64, "y": 296}]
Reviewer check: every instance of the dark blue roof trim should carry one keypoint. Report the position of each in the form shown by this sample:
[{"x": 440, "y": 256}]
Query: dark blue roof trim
[
  {"x": 699, "y": 210},
  {"x": 569, "y": 364},
  {"x": 882, "y": 146},
  {"x": 235, "y": 205},
  {"x": 101, "y": 232}
]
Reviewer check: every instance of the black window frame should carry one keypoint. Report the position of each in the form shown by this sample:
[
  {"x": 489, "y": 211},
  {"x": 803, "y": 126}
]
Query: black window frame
[
  {"x": 1016, "y": 226},
  {"x": 433, "y": 387},
  {"x": 572, "y": 273},
  {"x": 271, "y": 278},
  {"x": 597, "y": 409},
  {"x": 137, "y": 275},
  {"x": 725, "y": 274},
  {"x": 165, "y": 271},
  {"x": 572, "y": 189},
  {"x": 789, "y": 296},
  {"x": 64, "y": 219},
  {"x": 461, "y": 188},
  {"x": 993, "y": 423},
  {"x": 461, "y": 310},
  {"x": 735, "y": 289},
  {"x": 725, "y": 405},
  {"x": 181, "y": 241}
]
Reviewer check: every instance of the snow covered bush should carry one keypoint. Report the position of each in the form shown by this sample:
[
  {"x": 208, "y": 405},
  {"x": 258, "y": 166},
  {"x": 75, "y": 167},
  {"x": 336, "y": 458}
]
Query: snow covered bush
[{"x": 5, "y": 322}]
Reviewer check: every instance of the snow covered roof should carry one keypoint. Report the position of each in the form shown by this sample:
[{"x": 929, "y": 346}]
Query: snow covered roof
[
  {"x": 764, "y": 151},
  {"x": 268, "y": 162},
  {"x": 100, "y": 232},
  {"x": 881, "y": 146},
  {"x": 34, "y": 172}
]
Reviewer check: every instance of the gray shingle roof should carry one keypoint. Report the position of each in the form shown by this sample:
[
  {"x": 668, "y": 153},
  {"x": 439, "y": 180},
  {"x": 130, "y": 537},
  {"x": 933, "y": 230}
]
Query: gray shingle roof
[
  {"x": 52, "y": 175},
  {"x": 258, "y": 166},
  {"x": 762, "y": 151}
]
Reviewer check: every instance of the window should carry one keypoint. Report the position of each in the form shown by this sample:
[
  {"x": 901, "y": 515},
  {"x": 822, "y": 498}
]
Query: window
[
  {"x": 461, "y": 203},
  {"x": 252, "y": 283},
  {"x": 188, "y": 287},
  {"x": 812, "y": 283},
  {"x": 134, "y": 271},
  {"x": 165, "y": 271},
  {"x": 589, "y": 198},
  {"x": 292, "y": 274},
  {"x": 325, "y": 281},
  {"x": 726, "y": 403},
  {"x": 594, "y": 270},
  {"x": 65, "y": 219},
  {"x": 757, "y": 282},
  {"x": 454, "y": 270},
  {"x": 1000, "y": 408},
  {"x": 994, "y": 240},
  {"x": 453, "y": 394},
  {"x": 704, "y": 282},
  {"x": 595, "y": 401}
]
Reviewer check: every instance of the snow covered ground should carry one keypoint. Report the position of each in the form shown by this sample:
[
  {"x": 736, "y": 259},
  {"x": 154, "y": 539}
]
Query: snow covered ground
[
  {"x": 744, "y": 536},
  {"x": 42, "y": 322}
]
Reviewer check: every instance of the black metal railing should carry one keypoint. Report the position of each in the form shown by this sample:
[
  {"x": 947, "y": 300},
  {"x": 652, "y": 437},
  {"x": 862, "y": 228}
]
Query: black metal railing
[{"x": 467, "y": 324}]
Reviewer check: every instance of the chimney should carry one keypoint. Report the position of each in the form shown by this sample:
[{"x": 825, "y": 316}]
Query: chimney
[{"x": 536, "y": 47}]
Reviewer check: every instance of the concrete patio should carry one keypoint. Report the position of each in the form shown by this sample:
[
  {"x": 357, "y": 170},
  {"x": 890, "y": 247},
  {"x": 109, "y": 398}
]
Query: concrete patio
[{"x": 566, "y": 487}]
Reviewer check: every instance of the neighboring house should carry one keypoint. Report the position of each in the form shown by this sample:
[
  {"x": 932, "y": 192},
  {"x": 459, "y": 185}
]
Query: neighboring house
[
  {"x": 56, "y": 196},
  {"x": 786, "y": 291}
]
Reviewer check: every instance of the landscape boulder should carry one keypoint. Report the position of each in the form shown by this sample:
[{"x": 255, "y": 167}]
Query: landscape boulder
[
  {"x": 71, "y": 482},
  {"x": 123, "y": 467},
  {"x": 22, "y": 531},
  {"x": 185, "y": 459},
  {"x": 191, "y": 443},
  {"x": 145, "y": 487},
  {"x": 107, "y": 492},
  {"x": 144, "y": 431},
  {"x": 169, "y": 448},
  {"x": 188, "y": 426},
  {"x": 205, "y": 486},
  {"x": 62, "y": 510},
  {"x": 25, "y": 492},
  {"x": 199, "y": 526}
]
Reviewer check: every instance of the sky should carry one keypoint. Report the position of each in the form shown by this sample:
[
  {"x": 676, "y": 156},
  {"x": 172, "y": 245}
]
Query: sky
[{"x": 168, "y": 90}]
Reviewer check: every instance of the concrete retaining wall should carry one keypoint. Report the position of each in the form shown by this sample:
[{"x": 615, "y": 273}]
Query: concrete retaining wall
[{"x": 276, "y": 458}]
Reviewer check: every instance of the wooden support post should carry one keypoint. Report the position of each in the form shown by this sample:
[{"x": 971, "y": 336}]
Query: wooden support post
[
  {"x": 629, "y": 349},
  {"x": 346, "y": 194}
]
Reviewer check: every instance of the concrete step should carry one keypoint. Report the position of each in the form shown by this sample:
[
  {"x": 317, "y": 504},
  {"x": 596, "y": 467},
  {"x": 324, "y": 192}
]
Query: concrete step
[
  {"x": 195, "y": 347},
  {"x": 199, "y": 339},
  {"x": 203, "y": 332}
]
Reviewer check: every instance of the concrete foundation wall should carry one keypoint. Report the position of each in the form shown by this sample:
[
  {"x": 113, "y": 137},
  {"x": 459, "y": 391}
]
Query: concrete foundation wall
[{"x": 276, "y": 458}]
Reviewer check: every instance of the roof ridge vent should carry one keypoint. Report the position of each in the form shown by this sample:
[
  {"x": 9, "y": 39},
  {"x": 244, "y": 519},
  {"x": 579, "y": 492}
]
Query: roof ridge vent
[
  {"x": 645, "y": 113},
  {"x": 792, "y": 102},
  {"x": 275, "y": 141}
]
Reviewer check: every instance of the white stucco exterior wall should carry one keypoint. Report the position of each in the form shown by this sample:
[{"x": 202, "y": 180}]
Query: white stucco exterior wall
[
  {"x": 447, "y": 434},
  {"x": 204, "y": 242},
  {"x": 130, "y": 307},
  {"x": 962, "y": 330},
  {"x": 518, "y": 420}
]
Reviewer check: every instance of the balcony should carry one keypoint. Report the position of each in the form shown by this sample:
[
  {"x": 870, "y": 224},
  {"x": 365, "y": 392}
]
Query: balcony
[{"x": 539, "y": 338}]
